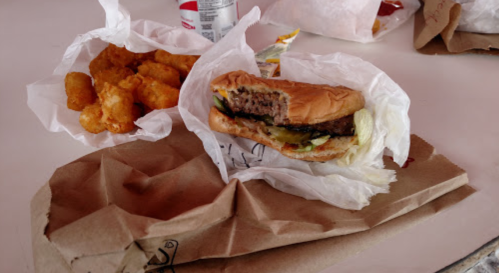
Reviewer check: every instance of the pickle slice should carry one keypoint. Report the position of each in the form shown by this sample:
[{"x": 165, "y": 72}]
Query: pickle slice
[
  {"x": 268, "y": 119},
  {"x": 307, "y": 148},
  {"x": 313, "y": 143},
  {"x": 320, "y": 140},
  {"x": 292, "y": 137},
  {"x": 219, "y": 104}
]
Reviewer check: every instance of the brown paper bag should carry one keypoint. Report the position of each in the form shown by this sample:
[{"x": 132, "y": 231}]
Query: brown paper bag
[
  {"x": 320, "y": 254},
  {"x": 435, "y": 31},
  {"x": 142, "y": 205}
]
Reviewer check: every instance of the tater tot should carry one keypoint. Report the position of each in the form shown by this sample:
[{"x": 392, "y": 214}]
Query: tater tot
[
  {"x": 138, "y": 111},
  {"x": 157, "y": 95},
  {"x": 120, "y": 56},
  {"x": 182, "y": 63},
  {"x": 112, "y": 76},
  {"x": 131, "y": 84},
  {"x": 142, "y": 57},
  {"x": 118, "y": 110},
  {"x": 146, "y": 110},
  {"x": 91, "y": 118},
  {"x": 161, "y": 72},
  {"x": 100, "y": 63},
  {"x": 79, "y": 90}
]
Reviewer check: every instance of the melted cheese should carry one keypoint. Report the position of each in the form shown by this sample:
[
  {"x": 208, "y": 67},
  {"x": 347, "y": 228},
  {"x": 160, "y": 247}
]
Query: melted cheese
[{"x": 223, "y": 92}]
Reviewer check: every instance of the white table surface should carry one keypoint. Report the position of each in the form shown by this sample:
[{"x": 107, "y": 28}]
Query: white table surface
[{"x": 454, "y": 107}]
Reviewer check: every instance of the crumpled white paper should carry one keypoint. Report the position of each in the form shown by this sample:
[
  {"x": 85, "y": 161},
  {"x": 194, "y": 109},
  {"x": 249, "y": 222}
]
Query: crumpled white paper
[
  {"x": 342, "y": 19},
  {"x": 480, "y": 16},
  {"x": 47, "y": 97},
  {"x": 348, "y": 187}
]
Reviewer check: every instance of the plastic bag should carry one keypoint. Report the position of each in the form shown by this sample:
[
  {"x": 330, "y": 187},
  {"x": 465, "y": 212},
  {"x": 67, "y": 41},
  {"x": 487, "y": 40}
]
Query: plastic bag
[
  {"x": 47, "y": 97},
  {"x": 348, "y": 187},
  {"x": 342, "y": 19}
]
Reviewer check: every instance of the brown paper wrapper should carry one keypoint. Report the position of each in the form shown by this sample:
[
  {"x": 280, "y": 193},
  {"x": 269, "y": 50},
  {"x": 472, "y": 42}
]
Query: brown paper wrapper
[
  {"x": 142, "y": 206},
  {"x": 435, "y": 32}
]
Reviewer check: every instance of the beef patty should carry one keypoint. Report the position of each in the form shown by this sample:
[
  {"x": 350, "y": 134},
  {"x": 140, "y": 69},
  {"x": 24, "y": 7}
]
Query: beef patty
[{"x": 273, "y": 105}]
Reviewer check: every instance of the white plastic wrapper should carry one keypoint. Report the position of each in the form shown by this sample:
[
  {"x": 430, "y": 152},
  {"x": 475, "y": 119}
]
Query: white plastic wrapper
[
  {"x": 348, "y": 187},
  {"x": 47, "y": 97},
  {"x": 480, "y": 16},
  {"x": 342, "y": 19}
]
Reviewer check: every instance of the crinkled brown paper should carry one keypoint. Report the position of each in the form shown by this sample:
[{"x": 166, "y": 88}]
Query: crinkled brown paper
[
  {"x": 144, "y": 205},
  {"x": 435, "y": 32}
]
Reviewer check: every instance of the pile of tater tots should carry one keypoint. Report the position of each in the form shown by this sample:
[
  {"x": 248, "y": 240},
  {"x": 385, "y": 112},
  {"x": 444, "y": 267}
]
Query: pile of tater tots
[{"x": 125, "y": 87}]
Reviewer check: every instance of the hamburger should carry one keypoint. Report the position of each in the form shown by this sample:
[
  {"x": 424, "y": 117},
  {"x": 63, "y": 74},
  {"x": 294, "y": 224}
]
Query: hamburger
[{"x": 300, "y": 120}]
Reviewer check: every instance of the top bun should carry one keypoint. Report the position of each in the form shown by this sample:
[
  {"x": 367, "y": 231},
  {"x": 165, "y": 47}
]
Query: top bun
[{"x": 307, "y": 103}]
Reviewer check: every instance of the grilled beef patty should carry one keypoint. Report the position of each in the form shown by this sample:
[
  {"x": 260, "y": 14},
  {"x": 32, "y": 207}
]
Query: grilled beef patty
[
  {"x": 260, "y": 104},
  {"x": 272, "y": 104},
  {"x": 338, "y": 127}
]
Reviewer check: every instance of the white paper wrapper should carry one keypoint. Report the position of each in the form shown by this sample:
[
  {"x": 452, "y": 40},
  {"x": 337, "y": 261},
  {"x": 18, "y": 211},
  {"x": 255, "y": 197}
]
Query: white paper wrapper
[
  {"x": 342, "y": 19},
  {"x": 348, "y": 187},
  {"x": 47, "y": 97},
  {"x": 480, "y": 16}
]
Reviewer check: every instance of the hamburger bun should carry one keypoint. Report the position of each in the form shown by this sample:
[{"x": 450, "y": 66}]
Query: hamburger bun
[{"x": 306, "y": 103}]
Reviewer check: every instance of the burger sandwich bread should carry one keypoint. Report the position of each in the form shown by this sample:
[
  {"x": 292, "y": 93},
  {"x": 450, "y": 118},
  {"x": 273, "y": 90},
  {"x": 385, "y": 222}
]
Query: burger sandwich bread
[{"x": 300, "y": 120}]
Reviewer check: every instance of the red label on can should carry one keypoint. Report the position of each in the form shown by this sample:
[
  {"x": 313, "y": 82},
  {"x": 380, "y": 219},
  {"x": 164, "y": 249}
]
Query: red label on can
[
  {"x": 187, "y": 26},
  {"x": 192, "y": 5}
]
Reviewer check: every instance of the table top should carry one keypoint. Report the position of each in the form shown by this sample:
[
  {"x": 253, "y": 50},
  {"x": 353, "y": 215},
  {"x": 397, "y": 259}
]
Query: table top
[{"x": 453, "y": 107}]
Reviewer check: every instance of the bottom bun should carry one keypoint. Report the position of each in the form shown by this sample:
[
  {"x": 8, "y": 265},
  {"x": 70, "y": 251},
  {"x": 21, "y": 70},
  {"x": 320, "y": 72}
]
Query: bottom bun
[{"x": 335, "y": 147}]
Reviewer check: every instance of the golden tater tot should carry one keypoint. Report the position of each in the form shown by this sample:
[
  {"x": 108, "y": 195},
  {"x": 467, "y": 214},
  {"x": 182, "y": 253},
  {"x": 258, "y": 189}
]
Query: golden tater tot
[
  {"x": 91, "y": 118},
  {"x": 146, "y": 110},
  {"x": 118, "y": 110},
  {"x": 157, "y": 95},
  {"x": 100, "y": 63},
  {"x": 79, "y": 90},
  {"x": 161, "y": 72},
  {"x": 120, "y": 56},
  {"x": 182, "y": 63},
  {"x": 142, "y": 57},
  {"x": 137, "y": 111},
  {"x": 161, "y": 54},
  {"x": 112, "y": 76},
  {"x": 131, "y": 84},
  {"x": 113, "y": 102}
]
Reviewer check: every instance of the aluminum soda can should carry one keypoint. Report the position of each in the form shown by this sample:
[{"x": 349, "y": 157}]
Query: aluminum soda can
[{"x": 211, "y": 18}]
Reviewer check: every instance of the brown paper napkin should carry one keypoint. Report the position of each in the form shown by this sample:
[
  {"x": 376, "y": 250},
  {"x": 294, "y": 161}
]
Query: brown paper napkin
[
  {"x": 435, "y": 31},
  {"x": 146, "y": 205}
]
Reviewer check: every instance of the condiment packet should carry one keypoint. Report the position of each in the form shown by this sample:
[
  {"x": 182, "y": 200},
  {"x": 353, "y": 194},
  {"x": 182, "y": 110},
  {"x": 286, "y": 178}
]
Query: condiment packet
[
  {"x": 268, "y": 70},
  {"x": 347, "y": 20},
  {"x": 347, "y": 186},
  {"x": 268, "y": 58},
  {"x": 47, "y": 97},
  {"x": 480, "y": 16}
]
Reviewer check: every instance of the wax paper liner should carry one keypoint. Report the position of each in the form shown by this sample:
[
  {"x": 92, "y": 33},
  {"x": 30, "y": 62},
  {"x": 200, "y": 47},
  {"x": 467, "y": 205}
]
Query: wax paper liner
[
  {"x": 47, "y": 97},
  {"x": 343, "y": 186},
  {"x": 347, "y": 20},
  {"x": 435, "y": 31},
  {"x": 480, "y": 16}
]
